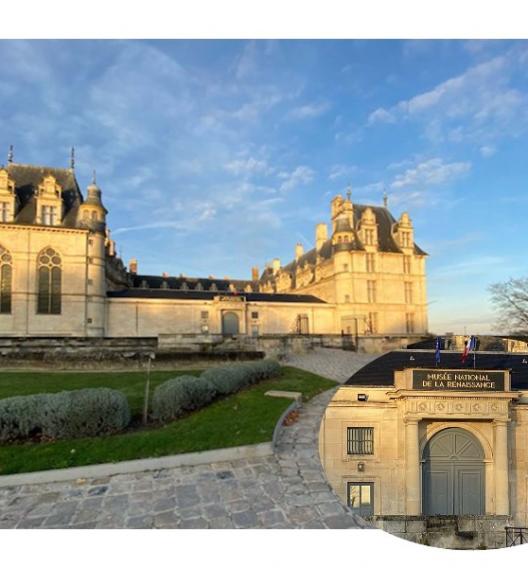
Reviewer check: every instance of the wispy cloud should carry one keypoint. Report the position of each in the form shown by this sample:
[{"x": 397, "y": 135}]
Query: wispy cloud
[
  {"x": 301, "y": 175},
  {"x": 312, "y": 110},
  {"x": 430, "y": 172},
  {"x": 339, "y": 171},
  {"x": 479, "y": 104}
]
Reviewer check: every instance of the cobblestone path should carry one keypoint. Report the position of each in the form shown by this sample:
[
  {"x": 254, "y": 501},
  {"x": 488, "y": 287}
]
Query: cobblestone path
[
  {"x": 287, "y": 490},
  {"x": 332, "y": 363}
]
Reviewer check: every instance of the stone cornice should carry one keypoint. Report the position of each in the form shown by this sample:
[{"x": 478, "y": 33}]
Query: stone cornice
[{"x": 43, "y": 228}]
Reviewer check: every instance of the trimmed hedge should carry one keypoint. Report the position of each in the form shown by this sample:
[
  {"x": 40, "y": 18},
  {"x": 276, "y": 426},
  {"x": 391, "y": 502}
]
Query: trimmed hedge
[
  {"x": 67, "y": 414},
  {"x": 172, "y": 398},
  {"x": 231, "y": 378},
  {"x": 176, "y": 396}
]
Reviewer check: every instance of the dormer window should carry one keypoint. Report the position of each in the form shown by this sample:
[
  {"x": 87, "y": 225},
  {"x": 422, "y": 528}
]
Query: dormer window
[
  {"x": 369, "y": 236},
  {"x": 406, "y": 240},
  {"x": 49, "y": 214}
]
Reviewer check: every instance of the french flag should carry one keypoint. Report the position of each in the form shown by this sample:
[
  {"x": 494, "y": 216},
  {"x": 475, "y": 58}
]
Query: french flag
[{"x": 471, "y": 345}]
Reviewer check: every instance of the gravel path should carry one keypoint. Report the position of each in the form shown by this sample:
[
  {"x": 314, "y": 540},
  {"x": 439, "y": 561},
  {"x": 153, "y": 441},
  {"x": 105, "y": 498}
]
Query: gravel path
[{"x": 287, "y": 490}]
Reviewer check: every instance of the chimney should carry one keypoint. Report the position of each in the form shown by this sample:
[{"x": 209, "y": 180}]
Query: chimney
[
  {"x": 299, "y": 251},
  {"x": 276, "y": 264},
  {"x": 321, "y": 235},
  {"x": 255, "y": 273},
  {"x": 133, "y": 266}
]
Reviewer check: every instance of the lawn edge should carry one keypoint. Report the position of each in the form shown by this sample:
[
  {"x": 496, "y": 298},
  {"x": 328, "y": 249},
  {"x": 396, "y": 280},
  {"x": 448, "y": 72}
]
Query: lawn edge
[{"x": 263, "y": 449}]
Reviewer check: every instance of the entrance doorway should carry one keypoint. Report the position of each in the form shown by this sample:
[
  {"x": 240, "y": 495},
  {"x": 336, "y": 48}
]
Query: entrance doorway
[
  {"x": 453, "y": 474},
  {"x": 230, "y": 323}
]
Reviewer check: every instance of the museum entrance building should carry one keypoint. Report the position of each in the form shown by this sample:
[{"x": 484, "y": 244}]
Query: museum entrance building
[{"x": 435, "y": 455}]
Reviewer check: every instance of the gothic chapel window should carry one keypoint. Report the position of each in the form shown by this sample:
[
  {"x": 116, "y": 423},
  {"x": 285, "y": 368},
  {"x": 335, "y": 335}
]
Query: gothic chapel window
[
  {"x": 6, "y": 275},
  {"x": 49, "y": 282}
]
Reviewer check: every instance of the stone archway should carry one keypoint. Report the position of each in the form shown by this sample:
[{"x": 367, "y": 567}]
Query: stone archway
[
  {"x": 230, "y": 323},
  {"x": 453, "y": 478}
]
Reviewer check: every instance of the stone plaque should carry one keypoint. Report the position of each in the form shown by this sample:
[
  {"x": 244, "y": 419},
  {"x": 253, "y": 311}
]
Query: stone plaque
[{"x": 458, "y": 380}]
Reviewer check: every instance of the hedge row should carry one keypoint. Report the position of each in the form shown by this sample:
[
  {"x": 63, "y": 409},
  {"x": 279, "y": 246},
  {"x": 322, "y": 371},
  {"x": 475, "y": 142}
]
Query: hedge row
[
  {"x": 93, "y": 412},
  {"x": 172, "y": 398},
  {"x": 68, "y": 414}
]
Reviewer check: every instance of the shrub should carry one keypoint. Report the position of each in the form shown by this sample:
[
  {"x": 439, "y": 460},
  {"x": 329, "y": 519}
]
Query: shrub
[
  {"x": 68, "y": 414},
  {"x": 231, "y": 378},
  {"x": 175, "y": 396}
]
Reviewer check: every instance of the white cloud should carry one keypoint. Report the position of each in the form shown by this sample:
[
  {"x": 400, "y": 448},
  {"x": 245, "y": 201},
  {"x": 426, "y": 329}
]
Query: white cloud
[
  {"x": 477, "y": 105},
  {"x": 487, "y": 151},
  {"x": 381, "y": 115},
  {"x": 248, "y": 166},
  {"x": 338, "y": 171},
  {"x": 430, "y": 172},
  {"x": 309, "y": 110},
  {"x": 301, "y": 175}
]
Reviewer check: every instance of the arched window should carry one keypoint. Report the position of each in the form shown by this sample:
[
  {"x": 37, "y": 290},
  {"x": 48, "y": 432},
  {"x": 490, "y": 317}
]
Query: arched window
[
  {"x": 49, "y": 282},
  {"x": 6, "y": 275}
]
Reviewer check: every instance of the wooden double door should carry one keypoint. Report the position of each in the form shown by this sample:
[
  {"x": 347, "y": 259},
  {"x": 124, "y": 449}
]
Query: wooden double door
[{"x": 453, "y": 474}]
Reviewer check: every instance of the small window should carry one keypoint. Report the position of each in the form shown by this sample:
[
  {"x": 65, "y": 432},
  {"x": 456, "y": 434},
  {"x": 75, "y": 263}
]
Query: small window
[
  {"x": 371, "y": 291},
  {"x": 409, "y": 323},
  {"x": 370, "y": 262},
  {"x": 255, "y": 330},
  {"x": 254, "y": 315},
  {"x": 408, "y": 293},
  {"x": 360, "y": 441},
  {"x": 345, "y": 267},
  {"x": 90, "y": 281},
  {"x": 4, "y": 212},
  {"x": 205, "y": 315},
  {"x": 360, "y": 498},
  {"x": 89, "y": 320},
  {"x": 406, "y": 264},
  {"x": 347, "y": 298}
]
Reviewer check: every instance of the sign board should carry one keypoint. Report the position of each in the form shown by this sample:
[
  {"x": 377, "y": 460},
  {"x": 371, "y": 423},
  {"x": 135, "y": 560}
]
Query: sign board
[{"x": 458, "y": 380}]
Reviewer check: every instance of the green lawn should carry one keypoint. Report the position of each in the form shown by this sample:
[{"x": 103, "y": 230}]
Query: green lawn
[{"x": 247, "y": 417}]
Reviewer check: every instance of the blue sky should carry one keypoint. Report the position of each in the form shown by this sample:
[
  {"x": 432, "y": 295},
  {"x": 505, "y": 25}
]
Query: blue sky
[{"x": 214, "y": 156}]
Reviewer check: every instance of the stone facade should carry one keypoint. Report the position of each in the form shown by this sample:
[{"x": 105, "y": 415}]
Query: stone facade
[
  {"x": 404, "y": 420},
  {"x": 60, "y": 275}
]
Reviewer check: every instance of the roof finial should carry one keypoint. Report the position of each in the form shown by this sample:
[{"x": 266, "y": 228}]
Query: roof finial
[
  {"x": 94, "y": 178},
  {"x": 385, "y": 199},
  {"x": 349, "y": 191},
  {"x": 10, "y": 154},
  {"x": 72, "y": 158}
]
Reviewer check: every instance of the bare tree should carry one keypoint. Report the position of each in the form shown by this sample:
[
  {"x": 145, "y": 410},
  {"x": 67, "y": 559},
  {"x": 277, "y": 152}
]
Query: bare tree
[{"x": 511, "y": 303}]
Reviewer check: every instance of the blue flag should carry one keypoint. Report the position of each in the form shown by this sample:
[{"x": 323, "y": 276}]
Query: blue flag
[{"x": 437, "y": 350}]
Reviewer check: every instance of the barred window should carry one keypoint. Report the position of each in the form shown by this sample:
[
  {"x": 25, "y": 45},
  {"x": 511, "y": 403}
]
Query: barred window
[
  {"x": 360, "y": 441},
  {"x": 49, "y": 282},
  {"x": 254, "y": 315},
  {"x": 6, "y": 275}
]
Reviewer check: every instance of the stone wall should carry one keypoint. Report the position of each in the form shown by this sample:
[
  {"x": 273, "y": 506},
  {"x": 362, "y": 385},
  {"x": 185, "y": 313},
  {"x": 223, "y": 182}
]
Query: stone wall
[{"x": 464, "y": 532}]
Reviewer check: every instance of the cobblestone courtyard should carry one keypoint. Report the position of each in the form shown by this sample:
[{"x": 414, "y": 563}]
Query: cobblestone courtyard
[{"x": 287, "y": 490}]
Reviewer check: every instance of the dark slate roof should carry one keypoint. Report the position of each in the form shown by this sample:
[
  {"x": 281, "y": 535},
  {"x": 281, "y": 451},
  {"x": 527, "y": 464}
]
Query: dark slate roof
[
  {"x": 386, "y": 242},
  {"x": 176, "y": 282},
  {"x": 167, "y": 294},
  {"x": 380, "y": 372},
  {"x": 27, "y": 179}
]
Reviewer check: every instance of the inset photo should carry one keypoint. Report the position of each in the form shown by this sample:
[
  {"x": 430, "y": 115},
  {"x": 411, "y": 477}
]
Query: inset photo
[{"x": 429, "y": 443}]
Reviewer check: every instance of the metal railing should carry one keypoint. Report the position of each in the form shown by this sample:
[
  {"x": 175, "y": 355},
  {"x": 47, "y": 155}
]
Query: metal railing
[{"x": 516, "y": 535}]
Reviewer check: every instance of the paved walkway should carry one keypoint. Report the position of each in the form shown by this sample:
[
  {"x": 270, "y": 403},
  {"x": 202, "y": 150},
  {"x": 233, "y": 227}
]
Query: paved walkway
[
  {"x": 332, "y": 363},
  {"x": 287, "y": 490}
]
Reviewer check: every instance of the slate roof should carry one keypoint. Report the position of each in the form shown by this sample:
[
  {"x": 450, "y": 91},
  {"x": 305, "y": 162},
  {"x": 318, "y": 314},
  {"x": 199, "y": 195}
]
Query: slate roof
[
  {"x": 27, "y": 179},
  {"x": 386, "y": 242},
  {"x": 176, "y": 283},
  {"x": 380, "y": 372},
  {"x": 168, "y": 294}
]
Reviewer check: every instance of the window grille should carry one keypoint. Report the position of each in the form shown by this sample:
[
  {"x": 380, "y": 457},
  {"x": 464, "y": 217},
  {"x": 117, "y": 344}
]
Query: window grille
[{"x": 360, "y": 441}]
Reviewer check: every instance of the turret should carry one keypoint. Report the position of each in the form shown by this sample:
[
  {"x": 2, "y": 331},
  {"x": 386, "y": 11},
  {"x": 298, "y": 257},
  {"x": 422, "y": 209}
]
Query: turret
[{"x": 92, "y": 213}]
